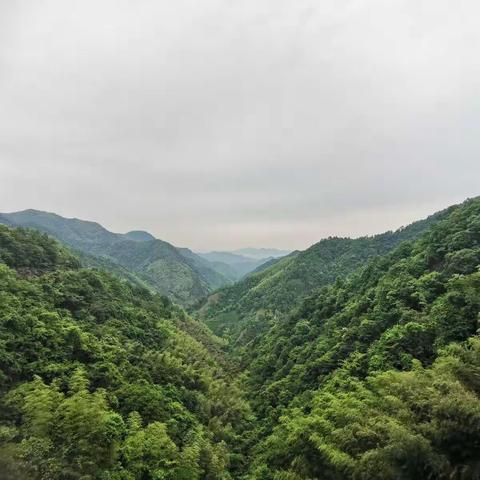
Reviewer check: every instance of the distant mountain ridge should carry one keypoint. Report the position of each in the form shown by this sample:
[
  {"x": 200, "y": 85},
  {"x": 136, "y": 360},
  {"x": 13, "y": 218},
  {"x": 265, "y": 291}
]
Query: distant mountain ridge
[
  {"x": 354, "y": 359},
  {"x": 261, "y": 253},
  {"x": 280, "y": 285},
  {"x": 137, "y": 256},
  {"x": 240, "y": 265}
]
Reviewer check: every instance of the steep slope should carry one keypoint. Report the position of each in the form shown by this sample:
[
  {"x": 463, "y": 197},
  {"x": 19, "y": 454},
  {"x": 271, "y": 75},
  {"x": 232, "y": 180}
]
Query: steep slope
[
  {"x": 103, "y": 380},
  {"x": 317, "y": 376},
  {"x": 274, "y": 261},
  {"x": 375, "y": 376},
  {"x": 208, "y": 270},
  {"x": 281, "y": 286},
  {"x": 226, "y": 270},
  {"x": 181, "y": 276}
]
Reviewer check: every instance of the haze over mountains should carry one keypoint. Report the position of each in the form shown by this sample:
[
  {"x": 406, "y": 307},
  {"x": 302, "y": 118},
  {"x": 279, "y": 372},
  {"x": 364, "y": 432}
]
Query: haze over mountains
[
  {"x": 243, "y": 282},
  {"x": 138, "y": 256},
  {"x": 261, "y": 253},
  {"x": 295, "y": 294},
  {"x": 279, "y": 285},
  {"x": 239, "y": 264},
  {"x": 330, "y": 359}
]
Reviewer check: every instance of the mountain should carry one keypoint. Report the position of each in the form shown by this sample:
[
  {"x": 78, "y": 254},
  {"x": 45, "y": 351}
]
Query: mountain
[
  {"x": 261, "y": 253},
  {"x": 377, "y": 375},
  {"x": 4, "y": 220},
  {"x": 372, "y": 376},
  {"x": 209, "y": 270},
  {"x": 177, "y": 273},
  {"x": 279, "y": 287},
  {"x": 236, "y": 266},
  {"x": 225, "y": 270},
  {"x": 139, "y": 236},
  {"x": 103, "y": 380}
]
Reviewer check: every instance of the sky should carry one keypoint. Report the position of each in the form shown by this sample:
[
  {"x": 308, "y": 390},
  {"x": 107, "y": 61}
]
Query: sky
[{"x": 230, "y": 123}]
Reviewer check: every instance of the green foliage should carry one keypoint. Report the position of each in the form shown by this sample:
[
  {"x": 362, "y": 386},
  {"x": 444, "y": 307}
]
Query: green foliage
[
  {"x": 103, "y": 380},
  {"x": 32, "y": 252},
  {"x": 375, "y": 375},
  {"x": 279, "y": 287},
  {"x": 424, "y": 423},
  {"x": 316, "y": 376},
  {"x": 67, "y": 436},
  {"x": 136, "y": 256}
]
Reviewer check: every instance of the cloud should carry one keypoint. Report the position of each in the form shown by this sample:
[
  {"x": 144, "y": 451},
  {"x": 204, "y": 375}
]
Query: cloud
[{"x": 221, "y": 124}]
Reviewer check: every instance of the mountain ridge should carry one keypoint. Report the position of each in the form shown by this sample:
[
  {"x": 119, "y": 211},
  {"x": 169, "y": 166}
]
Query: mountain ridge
[
  {"x": 373, "y": 375},
  {"x": 281, "y": 285},
  {"x": 260, "y": 253},
  {"x": 240, "y": 264},
  {"x": 102, "y": 379},
  {"x": 172, "y": 271}
]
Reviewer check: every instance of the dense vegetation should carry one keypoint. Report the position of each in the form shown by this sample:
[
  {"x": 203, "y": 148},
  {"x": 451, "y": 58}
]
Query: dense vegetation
[
  {"x": 375, "y": 374},
  {"x": 137, "y": 256},
  {"x": 418, "y": 424},
  {"x": 100, "y": 379},
  {"x": 242, "y": 310},
  {"x": 369, "y": 378}
]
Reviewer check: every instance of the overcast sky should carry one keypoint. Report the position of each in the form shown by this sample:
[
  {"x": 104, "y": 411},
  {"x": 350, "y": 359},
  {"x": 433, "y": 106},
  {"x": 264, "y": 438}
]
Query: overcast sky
[{"x": 218, "y": 124}]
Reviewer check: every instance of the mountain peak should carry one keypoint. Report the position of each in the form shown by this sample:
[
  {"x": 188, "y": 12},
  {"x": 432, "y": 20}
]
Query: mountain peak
[{"x": 140, "y": 236}]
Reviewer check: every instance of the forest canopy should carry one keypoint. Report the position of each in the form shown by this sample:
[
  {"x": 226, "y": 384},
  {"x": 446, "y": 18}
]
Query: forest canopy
[
  {"x": 100, "y": 379},
  {"x": 372, "y": 374}
]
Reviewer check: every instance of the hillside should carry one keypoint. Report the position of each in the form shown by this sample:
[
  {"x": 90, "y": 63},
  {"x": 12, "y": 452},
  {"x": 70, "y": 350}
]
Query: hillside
[
  {"x": 376, "y": 376},
  {"x": 138, "y": 256},
  {"x": 100, "y": 379},
  {"x": 239, "y": 265},
  {"x": 277, "y": 288}
]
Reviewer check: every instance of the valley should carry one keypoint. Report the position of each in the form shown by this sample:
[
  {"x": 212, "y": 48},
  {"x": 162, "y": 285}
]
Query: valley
[
  {"x": 355, "y": 358},
  {"x": 178, "y": 273}
]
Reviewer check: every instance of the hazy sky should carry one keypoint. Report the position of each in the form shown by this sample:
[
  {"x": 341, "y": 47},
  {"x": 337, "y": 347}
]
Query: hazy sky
[{"x": 220, "y": 124}]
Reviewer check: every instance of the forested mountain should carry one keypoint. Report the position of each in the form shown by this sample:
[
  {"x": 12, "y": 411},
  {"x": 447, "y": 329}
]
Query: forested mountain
[
  {"x": 245, "y": 308},
  {"x": 239, "y": 265},
  {"x": 177, "y": 273},
  {"x": 103, "y": 380},
  {"x": 377, "y": 375}
]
